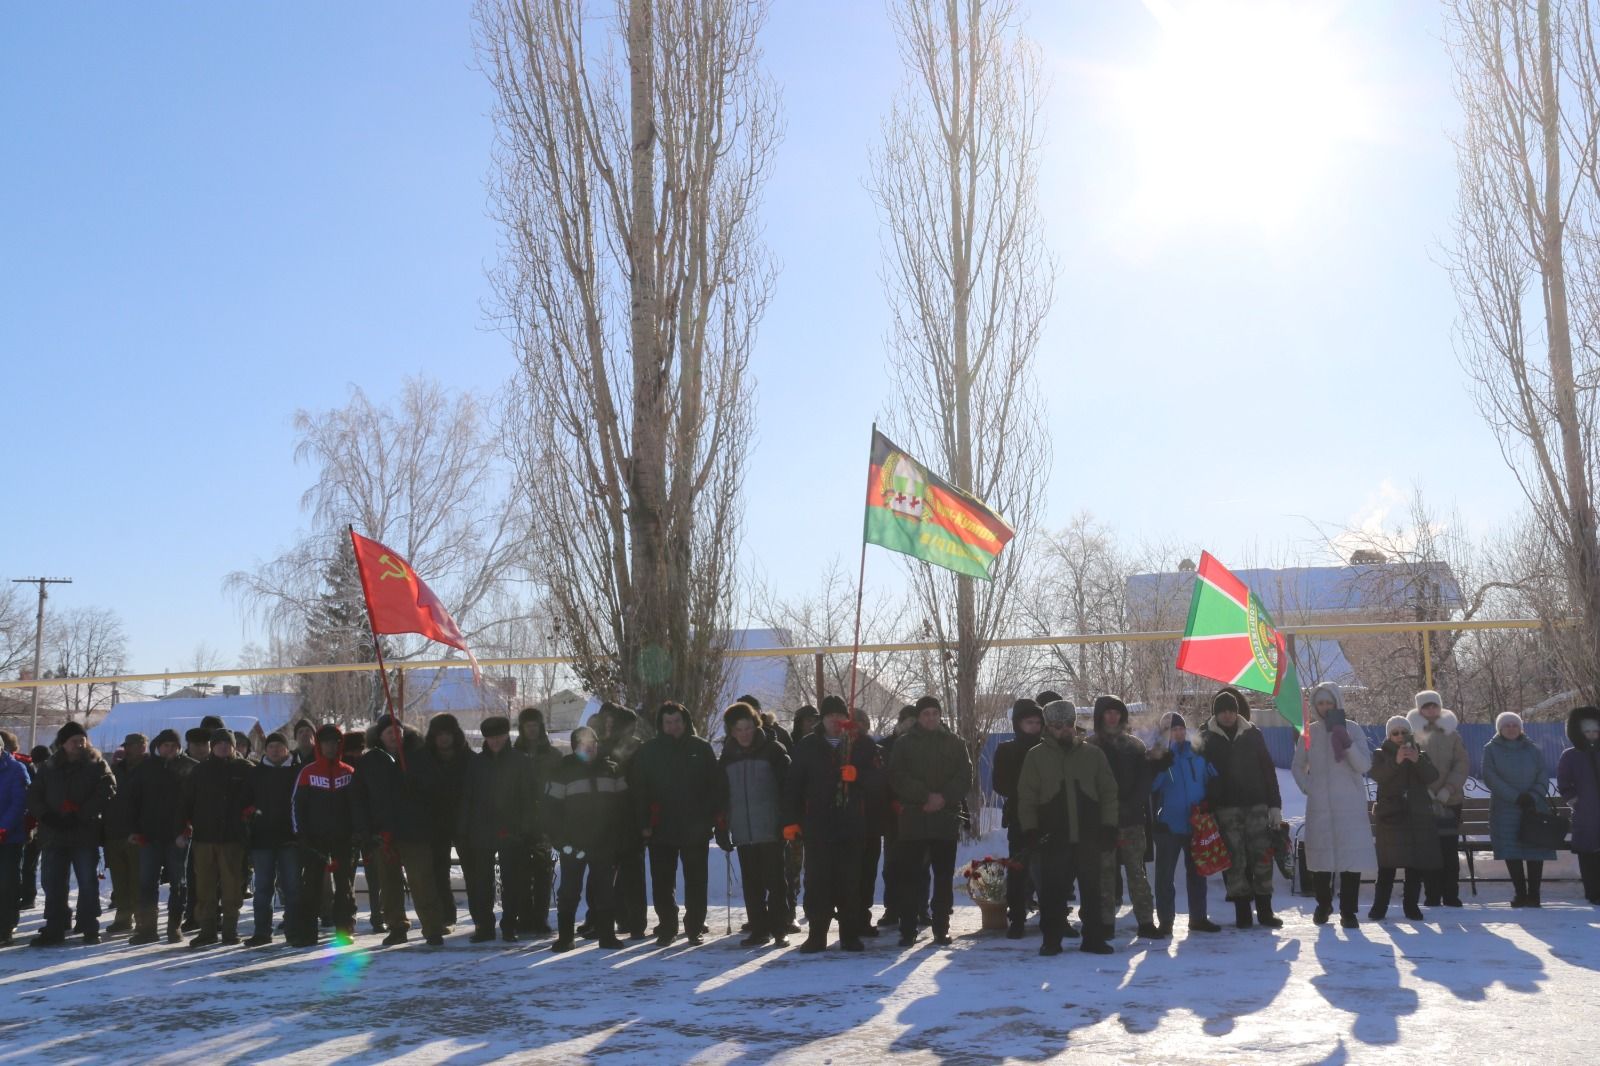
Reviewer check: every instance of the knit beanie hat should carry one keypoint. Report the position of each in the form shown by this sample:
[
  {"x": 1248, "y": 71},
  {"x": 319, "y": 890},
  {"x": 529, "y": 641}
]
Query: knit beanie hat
[
  {"x": 222, "y": 736},
  {"x": 1023, "y": 709},
  {"x": 68, "y": 731},
  {"x": 1228, "y": 700},
  {"x": 1397, "y": 722},
  {"x": 275, "y": 738},
  {"x": 1059, "y": 714},
  {"x": 1426, "y": 697},
  {"x": 1505, "y": 718},
  {"x": 166, "y": 736}
]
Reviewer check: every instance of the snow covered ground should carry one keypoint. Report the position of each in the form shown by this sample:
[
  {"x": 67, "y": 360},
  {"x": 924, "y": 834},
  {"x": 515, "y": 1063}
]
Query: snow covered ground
[{"x": 1480, "y": 984}]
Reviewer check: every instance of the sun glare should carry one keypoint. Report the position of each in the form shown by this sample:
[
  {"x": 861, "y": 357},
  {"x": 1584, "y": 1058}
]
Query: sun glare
[{"x": 1241, "y": 111}]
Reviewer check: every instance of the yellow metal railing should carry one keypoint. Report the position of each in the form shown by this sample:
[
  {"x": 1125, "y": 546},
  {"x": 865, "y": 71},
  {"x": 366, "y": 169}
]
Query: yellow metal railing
[{"x": 1348, "y": 630}]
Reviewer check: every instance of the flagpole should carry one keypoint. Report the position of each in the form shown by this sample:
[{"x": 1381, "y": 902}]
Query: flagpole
[
  {"x": 377, "y": 645},
  {"x": 861, "y": 583}
]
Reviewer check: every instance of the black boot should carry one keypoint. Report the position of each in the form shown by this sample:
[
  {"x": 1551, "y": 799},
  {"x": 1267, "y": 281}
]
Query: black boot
[
  {"x": 1535, "y": 876},
  {"x": 608, "y": 935},
  {"x": 1016, "y": 930},
  {"x": 1323, "y": 886},
  {"x": 1264, "y": 913},
  {"x": 1412, "y": 893},
  {"x": 1519, "y": 883},
  {"x": 1349, "y": 900},
  {"x": 1202, "y": 924},
  {"x": 230, "y": 930},
  {"x": 1049, "y": 948},
  {"x": 1241, "y": 914},
  {"x": 1381, "y": 894},
  {"x": 564, "y": 934}
]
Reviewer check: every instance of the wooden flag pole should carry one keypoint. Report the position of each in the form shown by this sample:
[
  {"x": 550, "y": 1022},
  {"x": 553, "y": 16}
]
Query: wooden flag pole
[
  {"x": 861, "y": 586},
  {"x": 377, "y": 650}
]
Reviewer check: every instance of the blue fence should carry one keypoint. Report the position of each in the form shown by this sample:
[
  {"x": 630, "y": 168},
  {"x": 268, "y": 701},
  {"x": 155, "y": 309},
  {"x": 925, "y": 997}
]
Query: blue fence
[{"x": 1550, "y": 736}]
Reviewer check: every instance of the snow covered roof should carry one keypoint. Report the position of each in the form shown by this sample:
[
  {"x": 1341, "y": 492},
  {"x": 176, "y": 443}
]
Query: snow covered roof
[
  {"x": 451, "y": 688},
  {"x": 266, "y": 710},
  {"x": 1303, "y": 590}
]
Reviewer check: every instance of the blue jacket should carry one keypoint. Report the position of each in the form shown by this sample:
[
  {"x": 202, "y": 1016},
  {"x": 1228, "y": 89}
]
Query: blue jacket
[
  {"x": 14, "y": 778},
  {"x": 1180, "y": 786}
]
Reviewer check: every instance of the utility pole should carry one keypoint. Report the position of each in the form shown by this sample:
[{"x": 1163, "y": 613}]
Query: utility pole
[{"x": 38, "y": 646}]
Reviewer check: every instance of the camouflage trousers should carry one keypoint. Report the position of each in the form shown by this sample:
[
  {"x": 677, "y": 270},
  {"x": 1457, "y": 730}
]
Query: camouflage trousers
[
  {"x": 1251, "y": 844},
  {"x": 1129, "y": 855}
]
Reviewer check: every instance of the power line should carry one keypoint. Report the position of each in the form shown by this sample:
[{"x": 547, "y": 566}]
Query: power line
[{"x": 38, "y": 646}]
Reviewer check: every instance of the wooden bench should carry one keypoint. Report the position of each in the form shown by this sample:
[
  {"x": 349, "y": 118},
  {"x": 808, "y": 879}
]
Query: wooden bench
[{"x": 1474, "y": 831}]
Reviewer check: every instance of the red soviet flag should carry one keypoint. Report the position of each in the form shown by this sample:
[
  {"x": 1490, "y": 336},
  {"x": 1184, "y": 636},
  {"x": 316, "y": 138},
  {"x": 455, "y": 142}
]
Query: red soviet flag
[{"x": 398, "y": 601}]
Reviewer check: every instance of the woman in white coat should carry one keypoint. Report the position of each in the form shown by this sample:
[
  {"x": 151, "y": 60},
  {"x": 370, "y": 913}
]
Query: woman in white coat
[{"x": 1332, "y": 773}]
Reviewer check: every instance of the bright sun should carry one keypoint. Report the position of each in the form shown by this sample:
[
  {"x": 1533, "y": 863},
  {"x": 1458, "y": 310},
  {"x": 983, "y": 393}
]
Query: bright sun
[{"x": 1241, "y": 111}]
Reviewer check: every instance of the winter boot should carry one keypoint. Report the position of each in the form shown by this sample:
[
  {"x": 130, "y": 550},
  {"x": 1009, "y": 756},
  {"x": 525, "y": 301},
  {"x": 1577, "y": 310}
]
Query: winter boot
[
  {"x": 230, "y": 930},
  {"x": 1049, "y": 948},
  {"x": 1264, "y": 915},
  {"x": 564, "y": 933},
  {"x": 1323, "y": 887},
  {"x": 481, "y": 935},
  {"x": 755, "y": 939},
  {"x": 1202, "y": 924},
  {"x": 1535, "y": 877},
  {"x": 607, "y": 936},
  {"x": 1519, "y": 884},
  {"x": 665, "y": 934},
  {"x": 508, "y": 932},
  {"x": 48, "y": 938},
  {"x": 1349, "y": 900},
  {"x": 941, "y": 936},
  {"x": 91, "y": 935},
  {"x": 121, "y": 924},
  {"x": 259, "y": 940},
  {"x": 1382, "y": 892},
  {"x": 1242, "y": 918},
  {"x": 205, "y": 940},
  {"x": 1016, "y": 930},
  {"x": 1412, "y": 892},
  {"x": 1151, "y": 932},
  {"x": 1094, "y": 946},
  {"x": 395, "y": 938},
  {"x": 816, "y": 939}
]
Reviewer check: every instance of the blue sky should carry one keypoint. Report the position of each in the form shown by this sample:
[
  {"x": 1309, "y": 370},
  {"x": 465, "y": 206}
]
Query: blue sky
[{"x": 216, "y": 214}]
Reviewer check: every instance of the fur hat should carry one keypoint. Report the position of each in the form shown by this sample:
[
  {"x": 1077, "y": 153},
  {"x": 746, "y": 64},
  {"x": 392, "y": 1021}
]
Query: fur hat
[
  {"x": 222, "y": 735},
  {"x": 497, "y": 725},
  {"x": 166, "y": 736},
  {"x": 805, "y": 712},
  {"x": 136, "y": 738},
  {"x": 1102, "y": 704},
  {"x": 211, "y": 722},
  {"x": 1505, "y": 718},
  {"x": 1427, "y": 696},
  {"x": 68, "y": 731},
  {"x": 739, "y": 712},
  {"x": 197, "y": 735},
  {"x": 530, "y": 714},
  {"x": 833, "y": 704},
  {"x": 1059, "y": 713},
  {"x": 1047, "y": 697}
]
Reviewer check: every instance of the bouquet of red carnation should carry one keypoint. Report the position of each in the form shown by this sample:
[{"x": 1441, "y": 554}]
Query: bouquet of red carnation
[{"x": 986, "y": 878}]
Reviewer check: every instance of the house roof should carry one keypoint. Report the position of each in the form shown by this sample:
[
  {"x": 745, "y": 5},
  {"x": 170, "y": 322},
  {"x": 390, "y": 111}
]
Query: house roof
[
  {"x": 268, "y": 710},
  {"x": 1306, "y": 590}
]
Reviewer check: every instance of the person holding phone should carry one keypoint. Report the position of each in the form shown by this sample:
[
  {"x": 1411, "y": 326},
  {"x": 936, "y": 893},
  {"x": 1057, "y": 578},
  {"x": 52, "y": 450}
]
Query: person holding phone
[{"x": 1407, "y": 834}]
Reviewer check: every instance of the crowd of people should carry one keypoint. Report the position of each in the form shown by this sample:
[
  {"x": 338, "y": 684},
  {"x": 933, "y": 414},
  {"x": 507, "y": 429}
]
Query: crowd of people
[{"x": 812, "y": 813}]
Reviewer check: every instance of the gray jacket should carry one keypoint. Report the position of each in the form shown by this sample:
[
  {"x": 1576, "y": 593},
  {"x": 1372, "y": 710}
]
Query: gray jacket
[{"x": 755, "y": 790}]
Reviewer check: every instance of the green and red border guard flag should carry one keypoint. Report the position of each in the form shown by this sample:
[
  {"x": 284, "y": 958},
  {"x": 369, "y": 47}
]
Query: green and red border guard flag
[
  {"x": 916, "y": 512},
  {"x": 1230, "y": 638},
  {"x": 398, "y": 601}
]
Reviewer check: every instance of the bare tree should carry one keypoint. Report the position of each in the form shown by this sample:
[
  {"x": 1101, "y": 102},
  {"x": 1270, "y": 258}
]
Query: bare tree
[
  {"x": 424, "y": 477},
  {"x": 1082, "y": 590},
  {"x": 826, "y": 617},
  {"x": 969, "y": 283},
  {"x": 84, "y": 642},
  {"x": 16, "y": 631},
  {"x": 1526, "y": 268},
  {"x": 632, "y": 147}
]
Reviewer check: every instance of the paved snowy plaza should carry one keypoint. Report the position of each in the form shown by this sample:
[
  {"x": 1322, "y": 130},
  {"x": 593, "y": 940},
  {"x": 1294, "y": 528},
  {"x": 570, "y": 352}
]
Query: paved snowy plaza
[{"x": 1480, "y": 984}]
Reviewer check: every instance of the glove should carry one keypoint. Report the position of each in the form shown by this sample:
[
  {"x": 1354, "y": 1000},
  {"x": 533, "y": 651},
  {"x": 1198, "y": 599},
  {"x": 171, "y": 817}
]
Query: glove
[
  {"x": 1110, "y": 836},
  {"x": 566, "y": 849},
  {"x": 68, "y": 807},
  {"x": 248, "y": 813},
  {"x": 1525, "y": 801},
  {"x": 847, "y": 772},
  {"x": 723, "y": 840},
  {"x": 791, "y": 832},
  {"x": 1274, "y": 817},
  {"x": 1339, "y": 739},
  {"x": 2, "y": 834},
  {"x": 580, "y": 856}
]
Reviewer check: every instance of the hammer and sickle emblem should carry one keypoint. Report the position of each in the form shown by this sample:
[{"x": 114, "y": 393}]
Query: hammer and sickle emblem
[{"x": 391, "y": 568}]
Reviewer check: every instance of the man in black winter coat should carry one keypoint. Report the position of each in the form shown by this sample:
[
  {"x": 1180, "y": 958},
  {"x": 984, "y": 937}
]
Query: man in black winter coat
[
  {"x": 273, "y": 854},
  {"x": 533, "y": 905},
  {"x": 834, "y": 773},
  {"x": 218, "y": 803},
  {"x": 68, "y": 797},
  {"x": 678, "y": 792},
  {"x": 1134, "y": 768},
  {"x": 587, "y": 813},
  {"x": 155, "y": 814},
  {"x": 806, "y": 721},
  {"x": 1027, "y": 723},
  {"x": 390, "y": 808},
  {"x": 441, "y": 772},
  {"x": 617, "y": 742},
  {"x": 122, "y": 856},
  {"x": 498, "y": 815}
]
